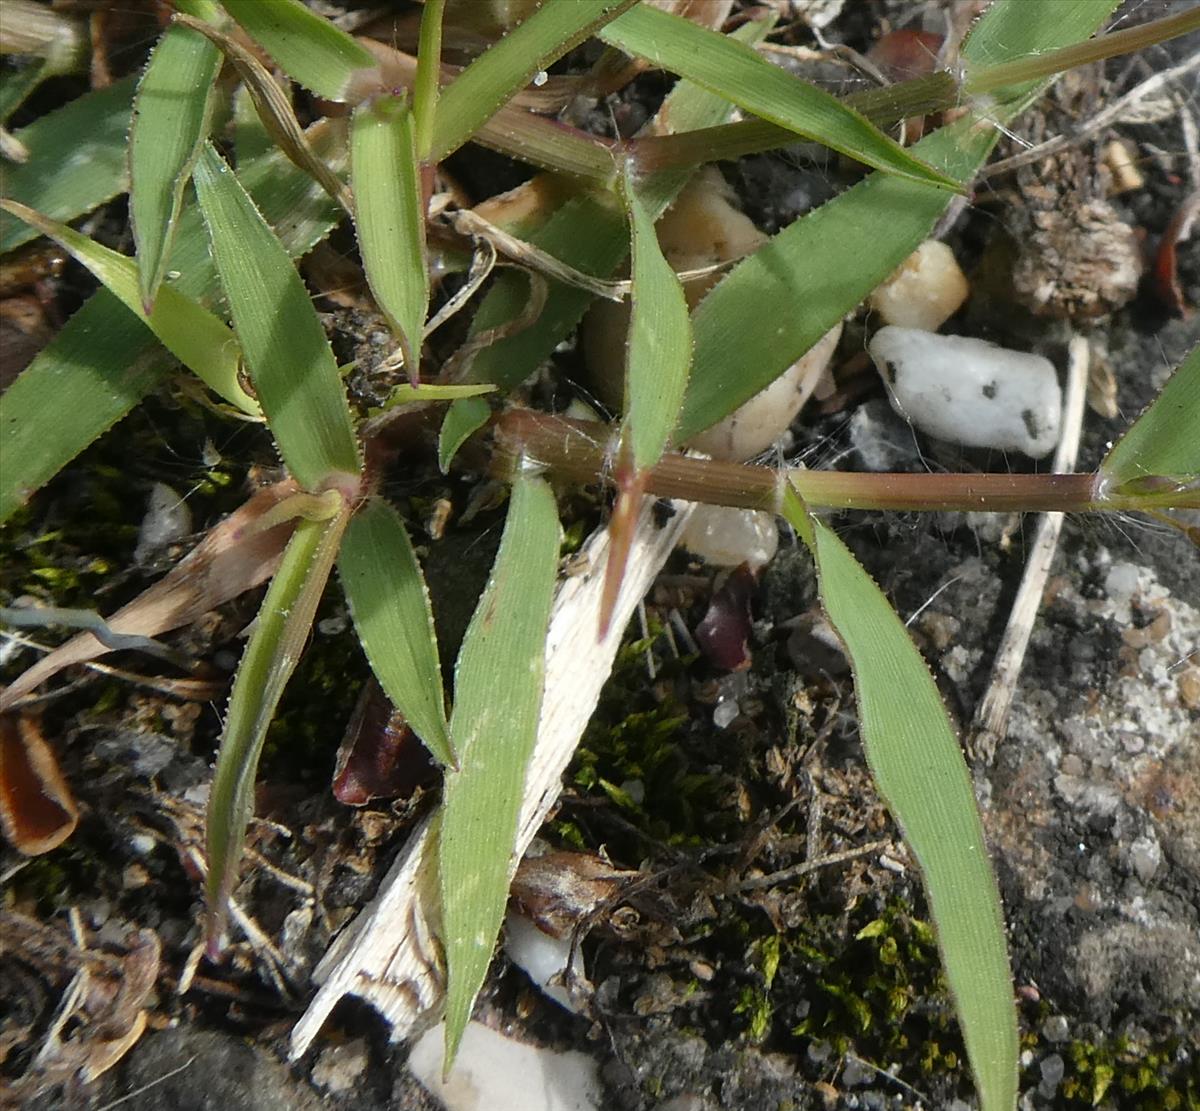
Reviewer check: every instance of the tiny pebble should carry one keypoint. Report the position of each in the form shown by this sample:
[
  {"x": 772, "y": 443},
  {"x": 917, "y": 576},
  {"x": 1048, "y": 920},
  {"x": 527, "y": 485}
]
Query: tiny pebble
[
  {"x": 142, "y": 844},
  {"x": 726, "y": 713},
  {"x": 819, "y": 1052},
  {"x": 1056, "y": 1028},
  {"x": 970, "y": 392},
  {"x": 1145, "y": 855},
  {"x": 492, "y": 1071},
  {"x": 726, "y": 537},
  {"x": 926, "y": 290},
  {"x": 855, "y": 1074},
  {"x": 1072, "y": 765},
  {"x": 1052, "y": 1069},
  {"x": 544, "y": 960},
  {"x": 339, "y": 1067}
]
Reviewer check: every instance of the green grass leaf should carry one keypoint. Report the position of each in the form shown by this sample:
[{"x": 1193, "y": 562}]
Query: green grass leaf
[
  {"x": 426, "y": 85},
  {"x": 498, "y": 694},
  {"x": 105, "y": 360},
  {"x": 589, "y": 235},
  {"x": 171, "y": 117},
  {"x": 735, "y": 71},
  {"x": 489, "y": 81},
  {"x": 196, "y": 337},
  {"x": 1165, "y": 439},
  {"x": 309, "y": 49},
  {"x": 287, "y": 354},
  {"x": 659, "y": 351},
  {"x": 865, "y": 232},
  {"x": 389, "y": 219},
  {"x": 77, "y": 160},
  {"x": 270, "y": 658},
  {"x": 921, "y": 774},
  {"x": 390, "y": 606}
]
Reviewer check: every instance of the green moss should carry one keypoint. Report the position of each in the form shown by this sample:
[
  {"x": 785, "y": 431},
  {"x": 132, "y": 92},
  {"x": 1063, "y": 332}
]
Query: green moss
[
  {"x": 755, "y": 1003},
  {"x": 1152, "y": 1074},
  {"x": 58, "y": 879},
  {"x": 881, "y": 994}
]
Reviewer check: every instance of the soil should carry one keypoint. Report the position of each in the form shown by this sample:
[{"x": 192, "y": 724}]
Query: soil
[{"x": 712, "y": 990}]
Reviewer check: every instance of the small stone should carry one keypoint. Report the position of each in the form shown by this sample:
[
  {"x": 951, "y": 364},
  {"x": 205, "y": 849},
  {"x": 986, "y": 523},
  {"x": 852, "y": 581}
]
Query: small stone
[
  {"x": 1052, "y": 1069},
  {"x": 1122, "y": 581},
  {"x": 134, "y": 876},
  {"x": 854, "y": 1074},
  {"x": 1188, "y": 684},
  {"x": 727, "y": 537},
  {"x": 726, "y": 713},
  {"x": 819, "y": 1052},
  {"x": 545, "y": 959},
  {"x": 142, "y": 844},
  {"x": 970, "y": 392},
  {"x": 492, "y": 1071},
  {"x": 1145, "y": 855},
  {"x": 339, "y": 1067},
  {"x": 1056, "y": 1028},
  {"x": 926, "y": 290}
]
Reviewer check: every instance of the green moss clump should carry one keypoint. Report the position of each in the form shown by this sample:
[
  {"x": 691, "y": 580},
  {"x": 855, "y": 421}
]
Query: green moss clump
[
  {"x": 881, "y": 995},
  {"x": 1139, "y": 1074}
]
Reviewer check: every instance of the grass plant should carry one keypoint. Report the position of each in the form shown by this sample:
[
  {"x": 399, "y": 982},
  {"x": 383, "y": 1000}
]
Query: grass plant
[{"x": 223, "y": 249}]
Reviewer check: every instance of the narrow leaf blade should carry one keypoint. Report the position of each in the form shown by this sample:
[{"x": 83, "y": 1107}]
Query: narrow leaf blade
[
  {"x": 89, "y": 132},
  {"x": 498, "y": 693},
  {"x": 659, "y": 354},
  {"x": 488, "y": 82},
  {"x": 426, "y": 86},
  {"x": 390, "y": 606},
  {"x": 735, "y": 71},
  {"x": 309, "y": 49},
  {"x": 920, "y": 772},
  {"x": 1165, "y": 439},
  {"x": 290, "y": 362},
  {"x": 389, "y": 219},
  {"x": 104, "y": 360},
  {"x": 267, "y": 664},
  {"x": 196, "y": 337},
  {"x": 171, "y": 117}
]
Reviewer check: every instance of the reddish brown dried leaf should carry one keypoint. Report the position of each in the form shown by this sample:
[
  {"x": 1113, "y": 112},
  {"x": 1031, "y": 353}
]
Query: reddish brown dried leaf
[
  {"x": 380, "y": 756},
  {"x": 631, "y": 485},
  {"x": 724, "y": 632},
  {"x": 560, "y": 890},
  {"x": 37, "y": 811},
  {"x": 1166, "y": 262},
  {"x": 233, "y": 557}
]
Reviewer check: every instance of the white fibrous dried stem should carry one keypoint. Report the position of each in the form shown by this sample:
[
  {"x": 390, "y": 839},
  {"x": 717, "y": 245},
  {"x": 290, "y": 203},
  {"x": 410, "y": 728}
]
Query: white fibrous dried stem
[{"x": 389, "y": 955}]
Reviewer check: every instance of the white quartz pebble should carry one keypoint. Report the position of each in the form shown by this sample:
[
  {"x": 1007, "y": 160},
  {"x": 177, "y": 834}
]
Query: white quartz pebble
[
  {"x": 969, "y": 391},
  {"x": 728, "y": 537},
  {"x": 494, "y": 1073},
  {"x": 544, "y": 960}
]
